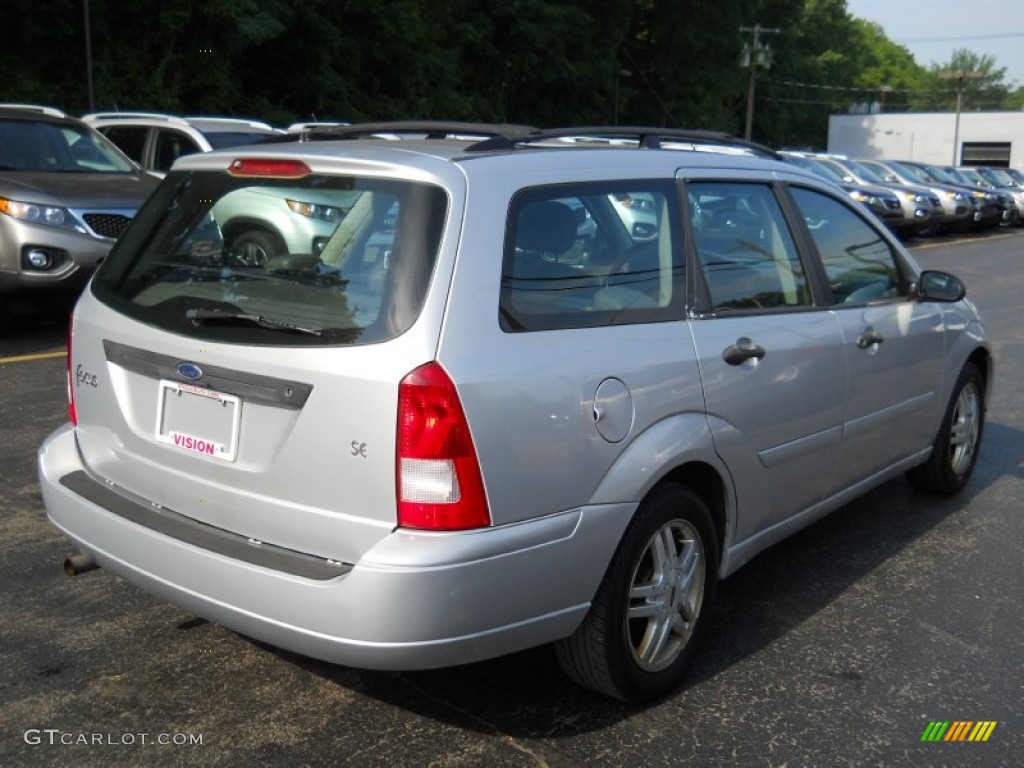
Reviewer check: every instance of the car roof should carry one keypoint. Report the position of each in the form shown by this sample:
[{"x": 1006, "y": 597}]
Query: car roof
[
  {"x": 450, "y": 140},
  {"x": 434, "y": 150}
]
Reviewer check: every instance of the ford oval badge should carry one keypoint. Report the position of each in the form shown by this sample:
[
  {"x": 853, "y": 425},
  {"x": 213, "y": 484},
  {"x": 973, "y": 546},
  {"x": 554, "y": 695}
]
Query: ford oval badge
[{"x": 189, "y": 371}]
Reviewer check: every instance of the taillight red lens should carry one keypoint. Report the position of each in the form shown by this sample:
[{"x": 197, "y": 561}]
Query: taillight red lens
[
  {"x": 439, "y": 482},
  {"x": 72, "y": 413},
  {"x": 278, "y": 169}
]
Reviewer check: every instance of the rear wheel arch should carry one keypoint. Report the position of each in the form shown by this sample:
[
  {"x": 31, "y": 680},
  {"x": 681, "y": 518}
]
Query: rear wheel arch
[{"x": 706, "y": 482}]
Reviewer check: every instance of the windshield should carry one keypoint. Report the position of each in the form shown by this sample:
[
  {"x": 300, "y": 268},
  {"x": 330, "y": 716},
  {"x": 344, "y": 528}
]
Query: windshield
[
  {"x": 885, "y": 174},
  {"x": 809, "y": 164},
  {"x": 974, "y": 177},
  {"x": 915, "y": 174},
  {"x": 866, "y": 173},
  {"x": 997, "y": 176},
  {"x": 940, "y": 175},
  {"x": 835, "y": 168},
  {"x": 316, "y": 260},
  {"x": 47, "y": 147}
]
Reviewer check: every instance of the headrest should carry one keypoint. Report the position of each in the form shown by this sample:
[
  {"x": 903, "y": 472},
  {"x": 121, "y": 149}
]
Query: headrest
[{"x": 546, "y": 227}]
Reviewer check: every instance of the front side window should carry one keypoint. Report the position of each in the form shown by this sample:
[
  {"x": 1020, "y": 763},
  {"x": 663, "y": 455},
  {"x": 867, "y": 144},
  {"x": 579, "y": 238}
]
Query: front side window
[
  {"x": 585, "y": 255},
  {"x": 745, "y": 249},
  {"x": 859, "y": 263},
  {"x": 314, "y": 260}
]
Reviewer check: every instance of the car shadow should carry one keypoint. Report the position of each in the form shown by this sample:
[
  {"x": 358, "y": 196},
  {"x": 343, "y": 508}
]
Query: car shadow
[{"x": 526, "y": 696}]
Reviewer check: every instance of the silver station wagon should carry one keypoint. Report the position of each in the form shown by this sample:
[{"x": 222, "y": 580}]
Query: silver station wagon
[{"x": 489, "y": 411}]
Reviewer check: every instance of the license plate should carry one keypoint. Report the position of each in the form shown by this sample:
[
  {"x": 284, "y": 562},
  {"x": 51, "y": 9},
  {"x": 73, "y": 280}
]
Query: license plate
[{"x": 198, "y": 420}]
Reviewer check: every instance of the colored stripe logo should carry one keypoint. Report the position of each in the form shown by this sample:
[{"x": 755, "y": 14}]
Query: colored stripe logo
[{"x": 959, "y": 730}]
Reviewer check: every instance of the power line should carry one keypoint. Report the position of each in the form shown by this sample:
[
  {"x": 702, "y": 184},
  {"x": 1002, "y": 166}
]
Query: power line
[
  {"x": 958, "y": 38},
  {"x": 856, "y": 89}
]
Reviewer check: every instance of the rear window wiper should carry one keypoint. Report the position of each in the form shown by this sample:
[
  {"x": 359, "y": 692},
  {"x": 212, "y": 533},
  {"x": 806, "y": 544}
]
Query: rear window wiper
[{"x": 199, "y": 316}]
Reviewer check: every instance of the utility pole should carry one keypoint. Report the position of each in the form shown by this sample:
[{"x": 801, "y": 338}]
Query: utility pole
[
  {"x": 88, "y": 58},
  {"x": 960, "y": 75},
  {"x": 755, "y": 54}
]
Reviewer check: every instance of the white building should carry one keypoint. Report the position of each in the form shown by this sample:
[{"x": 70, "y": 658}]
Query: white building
[{"x": 980, "y": 138}]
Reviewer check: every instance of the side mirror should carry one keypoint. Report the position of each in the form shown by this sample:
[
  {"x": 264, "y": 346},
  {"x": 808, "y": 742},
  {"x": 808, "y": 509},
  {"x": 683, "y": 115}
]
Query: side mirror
[{"x": 934, "y": 285}]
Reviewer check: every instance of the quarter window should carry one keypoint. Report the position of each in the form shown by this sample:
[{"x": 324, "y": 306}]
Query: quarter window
[
  {"x": 859, "y": 263},
  {"x": 585, "y": 255},
  {"x": 745, "y": 249}
]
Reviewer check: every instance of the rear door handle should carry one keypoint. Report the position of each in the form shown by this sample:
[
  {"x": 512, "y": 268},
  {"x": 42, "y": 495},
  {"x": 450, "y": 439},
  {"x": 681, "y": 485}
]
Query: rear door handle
[
  {"x": 744, "y": 349},
  {"x": 869, "y": 338}
]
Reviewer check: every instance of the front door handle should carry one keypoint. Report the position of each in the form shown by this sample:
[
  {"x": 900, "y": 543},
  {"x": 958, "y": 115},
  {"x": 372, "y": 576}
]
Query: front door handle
[
  {"x": 744, "y": 349},
  {"x": 869, "y": 338}
]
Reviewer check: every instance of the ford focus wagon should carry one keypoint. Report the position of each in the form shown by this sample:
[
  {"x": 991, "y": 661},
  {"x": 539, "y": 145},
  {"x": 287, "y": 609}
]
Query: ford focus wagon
[{"x": 493, "y": 409}]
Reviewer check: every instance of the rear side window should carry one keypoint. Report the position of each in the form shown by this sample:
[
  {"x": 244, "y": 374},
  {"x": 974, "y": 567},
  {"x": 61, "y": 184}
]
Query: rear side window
[
  {"x": 745, "y": 249},
  {"x": 315, "y": 260},
  {"x": 129, "y": 139},
  {"x": 585, "y": 255},
  {"x": 859, "y": 263},
  {"x": 170, "y": 145}
]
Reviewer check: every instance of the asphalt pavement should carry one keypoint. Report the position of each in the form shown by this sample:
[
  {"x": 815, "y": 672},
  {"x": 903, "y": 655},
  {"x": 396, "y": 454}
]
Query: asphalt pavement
[{"x": 838, "y": 647}]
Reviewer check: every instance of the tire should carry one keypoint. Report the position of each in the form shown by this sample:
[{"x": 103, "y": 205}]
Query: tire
[
  {"x": 254, "y": 248},
  {"x": 955, "y": 450},
  {"x": 644, "y": 624}
]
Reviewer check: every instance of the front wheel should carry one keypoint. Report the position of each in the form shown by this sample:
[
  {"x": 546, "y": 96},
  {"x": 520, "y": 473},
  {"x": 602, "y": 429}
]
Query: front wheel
[
  {"x": 255, "y": 248},
  {"x": 955, "y": 450},
  {"x": 651, "y": 608}
]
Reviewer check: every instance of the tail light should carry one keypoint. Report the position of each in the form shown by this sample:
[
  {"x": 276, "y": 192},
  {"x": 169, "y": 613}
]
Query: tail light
[
  {"x": 439, "y": 482},
  {"x": 72, "y": 413}
]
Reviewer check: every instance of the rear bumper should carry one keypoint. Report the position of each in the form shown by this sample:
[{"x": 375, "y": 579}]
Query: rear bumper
[{"x": 416, "y": 600}]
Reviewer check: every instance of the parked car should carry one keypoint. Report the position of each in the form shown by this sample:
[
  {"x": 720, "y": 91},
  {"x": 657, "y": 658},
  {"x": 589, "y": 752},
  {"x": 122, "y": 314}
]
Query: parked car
[
  {"x": 991, "y": 208},
  {"x": 992, "y": 203},
  {"x": 1003, "y": 181},
  {"x": 156, "y": 140},
  {"x": 1017, "y": 176},
  {"x": 919, "y": 202},
  {"x": 65, "y": 195},
  {"x": 956, "y": 212},
  {"x": 452, "y": 433},
  {"x": 881, "y": 201}
]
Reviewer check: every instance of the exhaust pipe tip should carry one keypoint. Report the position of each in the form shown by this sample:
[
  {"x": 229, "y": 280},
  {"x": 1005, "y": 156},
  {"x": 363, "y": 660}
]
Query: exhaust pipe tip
[{"x": 76, "y": 565}]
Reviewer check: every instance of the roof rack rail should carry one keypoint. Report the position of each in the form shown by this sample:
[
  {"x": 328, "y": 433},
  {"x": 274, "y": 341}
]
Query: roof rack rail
[
  {"x": 130, "y": 115},
  {"x": 433, "y": 129},
  {"x": 37, "y": 108},
  {"x": 646, "y": 138}
]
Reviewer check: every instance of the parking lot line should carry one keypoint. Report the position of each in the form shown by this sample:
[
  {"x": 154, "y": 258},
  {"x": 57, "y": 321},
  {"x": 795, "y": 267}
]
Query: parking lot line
[
  {"x": 52, "y": 354},
  {"x": 963, "y": 241}
]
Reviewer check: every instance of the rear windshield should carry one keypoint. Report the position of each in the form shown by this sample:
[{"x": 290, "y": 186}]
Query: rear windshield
[
  {"x": 318, "y": 260},
  {"x": 224, "y": 139}
]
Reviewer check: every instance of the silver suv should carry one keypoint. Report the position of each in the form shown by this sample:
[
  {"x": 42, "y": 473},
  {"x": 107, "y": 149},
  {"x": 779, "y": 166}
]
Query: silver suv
[
  {"x": 486, "y": 415},
  {"x": 66, "y": 194}
]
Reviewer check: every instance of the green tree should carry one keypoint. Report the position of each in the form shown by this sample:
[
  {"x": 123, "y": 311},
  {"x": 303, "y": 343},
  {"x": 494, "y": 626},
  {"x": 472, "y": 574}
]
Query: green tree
[{"x": 978, "y": 77}]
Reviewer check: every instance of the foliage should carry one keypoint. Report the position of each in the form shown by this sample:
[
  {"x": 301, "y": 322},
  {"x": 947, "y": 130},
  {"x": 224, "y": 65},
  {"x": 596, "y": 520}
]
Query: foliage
[{"x": 541, "y": 62}]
